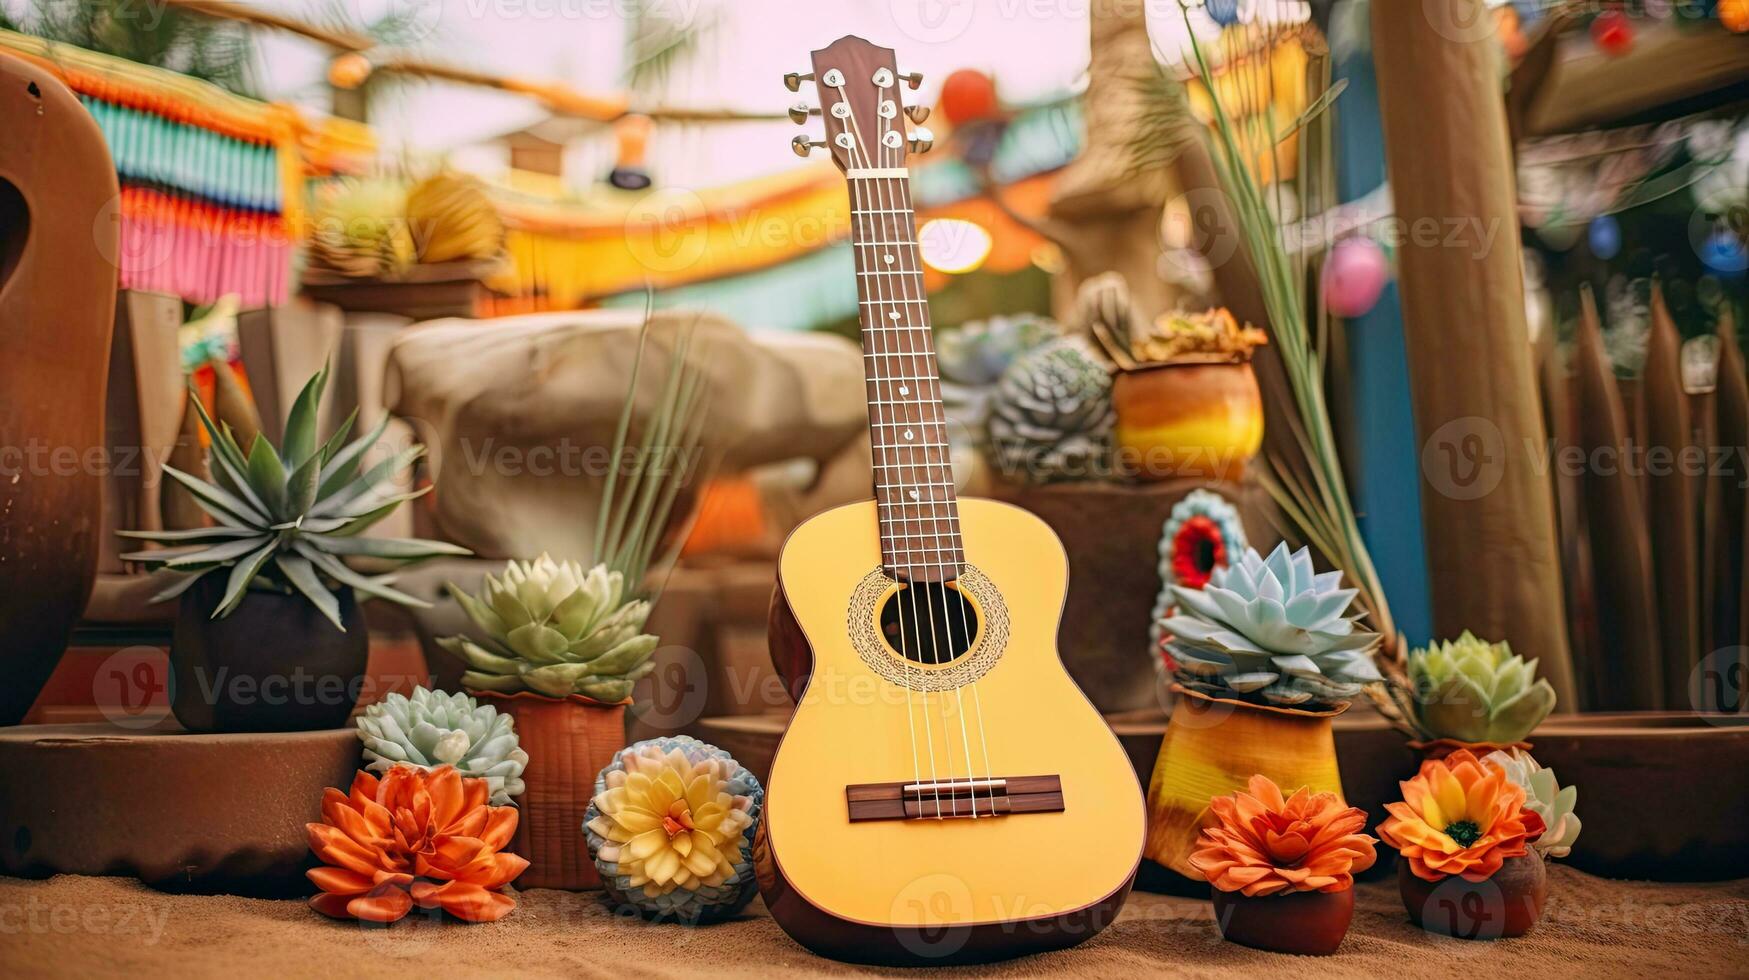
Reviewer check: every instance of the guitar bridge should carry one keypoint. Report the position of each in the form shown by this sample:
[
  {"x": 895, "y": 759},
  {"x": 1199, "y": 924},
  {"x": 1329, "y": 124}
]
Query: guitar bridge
[{"x": 934, "y": 799}]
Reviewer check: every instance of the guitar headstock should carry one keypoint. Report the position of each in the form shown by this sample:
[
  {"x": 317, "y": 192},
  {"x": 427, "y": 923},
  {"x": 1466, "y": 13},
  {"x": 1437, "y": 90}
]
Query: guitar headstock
[{"x": 862, "y": 105}]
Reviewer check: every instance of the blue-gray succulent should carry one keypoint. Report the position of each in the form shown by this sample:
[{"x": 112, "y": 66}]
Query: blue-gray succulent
[{"x": 1271, "y": 631}]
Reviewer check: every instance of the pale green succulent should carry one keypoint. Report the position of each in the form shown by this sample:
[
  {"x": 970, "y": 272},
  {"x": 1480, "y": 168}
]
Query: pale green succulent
[
  {"x": 1474, "y": 691},
  {"x": 1271, "y": 631},
  {"x": 554, "y": 629},
  {"x": 287, "y": 518},
  {"x": 1545, "y": 797},
  {"x": 433, "y": 728}
]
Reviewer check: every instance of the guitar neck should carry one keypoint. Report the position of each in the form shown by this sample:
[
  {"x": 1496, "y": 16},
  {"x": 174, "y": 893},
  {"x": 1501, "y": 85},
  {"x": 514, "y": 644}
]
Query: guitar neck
[{"x": 913, "y": 473}]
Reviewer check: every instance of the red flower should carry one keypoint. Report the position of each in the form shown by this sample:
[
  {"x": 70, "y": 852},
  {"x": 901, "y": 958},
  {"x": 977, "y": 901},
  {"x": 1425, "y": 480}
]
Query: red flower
[
  {"x": 414, "y": 837},
  {"x": 1197, "y": 550}
]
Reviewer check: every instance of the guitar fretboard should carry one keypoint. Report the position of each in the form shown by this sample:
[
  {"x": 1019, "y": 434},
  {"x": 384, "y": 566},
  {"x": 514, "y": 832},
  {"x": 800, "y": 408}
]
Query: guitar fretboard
[{"x": 913, "y": 474}]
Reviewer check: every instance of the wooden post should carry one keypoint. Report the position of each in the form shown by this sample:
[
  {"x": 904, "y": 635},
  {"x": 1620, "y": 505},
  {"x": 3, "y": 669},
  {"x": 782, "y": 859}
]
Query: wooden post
[{"x": 1486, "y": 504}]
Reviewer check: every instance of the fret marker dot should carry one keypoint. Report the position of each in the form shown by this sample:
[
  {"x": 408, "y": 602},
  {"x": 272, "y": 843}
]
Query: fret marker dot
[
  {"x": 904, "y": 389},
  {"x": 887, "y": 258},
  {"x": 913, "y": 495},
  {"x": 909, "y": 434},
  {"x": 894, "y": 315}
]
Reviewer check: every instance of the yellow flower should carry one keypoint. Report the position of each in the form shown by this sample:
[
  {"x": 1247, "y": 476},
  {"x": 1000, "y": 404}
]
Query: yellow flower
[{"x": 670, "y": 823}]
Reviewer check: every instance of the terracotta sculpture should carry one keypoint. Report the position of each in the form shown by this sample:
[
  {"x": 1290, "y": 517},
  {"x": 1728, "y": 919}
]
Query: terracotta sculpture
[{"x": 58, "y": 246}]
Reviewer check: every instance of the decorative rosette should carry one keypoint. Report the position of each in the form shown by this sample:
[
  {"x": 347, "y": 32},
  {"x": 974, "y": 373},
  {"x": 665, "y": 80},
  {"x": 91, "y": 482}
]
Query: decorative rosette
[
  {"x": 1200, "y": 535},
  {"x": 671, "y": 830}
]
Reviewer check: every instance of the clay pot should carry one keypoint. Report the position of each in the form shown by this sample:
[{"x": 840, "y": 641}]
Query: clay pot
[
  {"x": 275, "y": 664},
  {"x": 568, "y": 741},
  {"x": 1212, "y": 748},
  {"x": 1307, "y": 923},
  {"x": 1696, "y": 766},
  {"x": 1187, "y": 420},
  {"x": 1505, "y": 905},
  {"x": 1439, "y": 748}
]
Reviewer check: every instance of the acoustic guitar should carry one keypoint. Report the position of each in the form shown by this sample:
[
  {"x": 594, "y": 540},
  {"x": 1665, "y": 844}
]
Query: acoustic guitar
[{"x": 944, "y": 792}]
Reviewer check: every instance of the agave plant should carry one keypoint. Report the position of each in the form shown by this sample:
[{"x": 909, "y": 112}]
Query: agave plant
[
  {"x": 1473, "y": 691},
  {"x": 557, "y": 630},
  {"x": 1271, "y": 631},
  {"x": 288, "y": 517},
  {"x": 433, "y": 729}
]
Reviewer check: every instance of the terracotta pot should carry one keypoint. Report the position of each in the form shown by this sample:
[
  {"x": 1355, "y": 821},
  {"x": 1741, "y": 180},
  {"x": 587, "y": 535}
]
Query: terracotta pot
[
  {"x": 1696, "y": 766},
  {"x": 1506, "y": 905},
  {"x": 568, "y": 741},
  {"x": 275, "y": 664},
  {"x": 1307, "y": 923},
  {"x": 1439, "y": 748},
  {"x": 1212, "y": 748},
  {"x": 1187, "y": 420}
]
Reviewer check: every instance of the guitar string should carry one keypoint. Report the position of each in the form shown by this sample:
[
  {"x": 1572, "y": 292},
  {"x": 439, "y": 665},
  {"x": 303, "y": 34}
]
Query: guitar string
[
  {"x": 914, "y": 333},
  {"x": 954, "y": 530},
  {"x": 911, "y": 587},
  {"x": 904, "y": 651},
  {"x": 888, "y": 231}
]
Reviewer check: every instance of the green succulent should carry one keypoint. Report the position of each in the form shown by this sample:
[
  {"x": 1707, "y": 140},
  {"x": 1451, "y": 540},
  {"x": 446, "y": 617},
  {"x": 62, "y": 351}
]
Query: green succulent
[
  {"x": 1545, "y": 797},
  {"x": 1474, "y": 691},
  {"x": 554, "y": 629},
  {"x": 1271, "y": 631},
  {"x": 288, "y": 517},
  {"x": 432, "y": 728}
]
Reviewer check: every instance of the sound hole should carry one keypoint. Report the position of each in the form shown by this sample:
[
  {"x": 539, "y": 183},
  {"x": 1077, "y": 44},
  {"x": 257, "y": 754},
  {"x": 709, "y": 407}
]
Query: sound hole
[{"x": 929, "y": 622}]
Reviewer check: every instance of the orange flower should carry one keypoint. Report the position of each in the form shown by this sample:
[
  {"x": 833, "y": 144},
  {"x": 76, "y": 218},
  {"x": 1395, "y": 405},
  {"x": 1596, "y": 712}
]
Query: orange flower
[
  {"x": 1263, "y": 845},
  {"x": 413, "y": 837},
  {"x": 1459, "y": 816}
]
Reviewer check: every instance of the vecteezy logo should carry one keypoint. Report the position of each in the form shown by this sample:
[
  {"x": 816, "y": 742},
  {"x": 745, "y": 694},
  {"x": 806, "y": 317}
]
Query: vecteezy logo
[
  {"x": 666, "y": 229},
  {"x": 1465, "y": 458},
  {"x": 932, "y": 21},
  {"x": 1460, "y": 20},
  {"x": 1201, "y": 221},
  {"x": 132, "y": 687},
  {"x": 1720, "y": 682},
  {"x": 940, "y": 904}
]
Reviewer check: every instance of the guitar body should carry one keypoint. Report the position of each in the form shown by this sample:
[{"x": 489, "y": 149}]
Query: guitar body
[{"x": 924, "y": 889}]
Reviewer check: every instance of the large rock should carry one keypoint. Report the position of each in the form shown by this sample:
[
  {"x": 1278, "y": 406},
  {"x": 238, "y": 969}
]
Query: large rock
[{"x": 519, "y": 412}]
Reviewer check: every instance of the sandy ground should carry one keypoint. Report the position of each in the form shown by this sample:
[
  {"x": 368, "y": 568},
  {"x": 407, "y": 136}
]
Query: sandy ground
[{"x": 82, "y": 927}]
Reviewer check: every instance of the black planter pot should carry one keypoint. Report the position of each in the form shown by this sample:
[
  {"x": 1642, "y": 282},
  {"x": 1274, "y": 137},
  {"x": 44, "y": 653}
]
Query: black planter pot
[{"x": 275, "y": 664}]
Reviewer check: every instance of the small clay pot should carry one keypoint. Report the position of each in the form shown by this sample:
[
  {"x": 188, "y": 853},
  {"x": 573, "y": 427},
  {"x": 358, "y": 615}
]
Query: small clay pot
[
  {"x": 1191, "y": 419},
  {"x": 1306, "y": 923},
  {"x": 1503, "y": 906},
  {"x": 1439, "y": 748},
  {"x": 275, "y": 664},
  {"x": 568, "y": 741}
]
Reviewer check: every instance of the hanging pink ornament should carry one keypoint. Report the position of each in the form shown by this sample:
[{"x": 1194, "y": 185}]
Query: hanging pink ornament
[{"x": 1354, "y": 276}]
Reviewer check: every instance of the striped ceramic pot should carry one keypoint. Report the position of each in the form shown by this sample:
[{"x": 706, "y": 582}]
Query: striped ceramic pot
[
  {"x": 1213, "y": 746},
  {"x": 1201, "y": 420}
]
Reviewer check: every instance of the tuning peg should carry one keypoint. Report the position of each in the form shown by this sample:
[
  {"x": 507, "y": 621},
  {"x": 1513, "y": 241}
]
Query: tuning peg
[
  {"x": 800, "y": 112},
  {"x": 793, "y": 81},
  {"x": 921, "y": 140},
  {"x": 913, "y": 79},
  {"x": 917, "y": 113},
  {"x": 803, "y": 146}
]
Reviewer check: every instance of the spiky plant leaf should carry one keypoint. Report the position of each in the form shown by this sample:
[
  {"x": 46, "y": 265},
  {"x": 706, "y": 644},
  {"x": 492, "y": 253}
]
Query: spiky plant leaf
[
  {"x": 341, "y": 470},
  {"x": 302, "y": 575},
  {"x": 267, "y": 475},
  {"x": 300, "y": 424}
]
